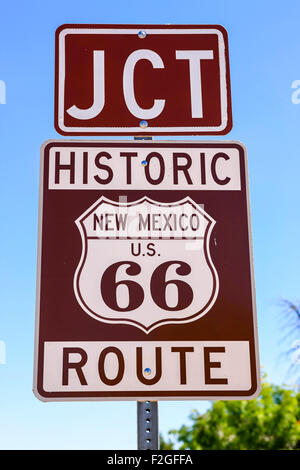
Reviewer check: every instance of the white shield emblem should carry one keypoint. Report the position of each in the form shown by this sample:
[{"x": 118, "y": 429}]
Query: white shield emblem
[{"x": 146, "y": 263}]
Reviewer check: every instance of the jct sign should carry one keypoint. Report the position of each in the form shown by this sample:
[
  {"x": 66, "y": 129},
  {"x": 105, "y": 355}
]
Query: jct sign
[
  {"x": 135, "y": 80},
  {"x": 145, "y": 283}
]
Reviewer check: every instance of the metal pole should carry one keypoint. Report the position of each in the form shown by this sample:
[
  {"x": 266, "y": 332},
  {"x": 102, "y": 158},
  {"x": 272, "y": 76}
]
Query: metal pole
[
  {"x": 147, "y": 411},
  {"x": 147, "y": 425}
]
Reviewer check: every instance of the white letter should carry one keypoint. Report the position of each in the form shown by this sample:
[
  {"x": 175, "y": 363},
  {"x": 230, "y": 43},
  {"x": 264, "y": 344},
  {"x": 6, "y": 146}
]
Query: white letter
[
  {"x": 2, "y": 92},
  {"x": 295, "y": 94},
  {"x": 99, "y": 91},
  {"x": 2, "y": 352},
  {"x": 194, "y": 58},
  {"x": 128, "y": 84}
]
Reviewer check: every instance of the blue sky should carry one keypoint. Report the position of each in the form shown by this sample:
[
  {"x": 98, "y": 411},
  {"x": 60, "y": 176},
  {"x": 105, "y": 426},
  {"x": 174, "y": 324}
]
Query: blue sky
[{"x": 264, "y": 47}]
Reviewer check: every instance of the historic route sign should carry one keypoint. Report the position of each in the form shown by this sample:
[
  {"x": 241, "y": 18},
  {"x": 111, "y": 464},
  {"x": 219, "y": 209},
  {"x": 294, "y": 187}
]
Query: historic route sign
[
  {"x": 145, "y": 277},
  {"x": 142, "y": 79}
]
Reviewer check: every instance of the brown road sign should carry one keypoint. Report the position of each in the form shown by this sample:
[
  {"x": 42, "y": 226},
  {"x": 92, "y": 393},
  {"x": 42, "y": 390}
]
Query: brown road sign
[
  {"x": 145, "y": 276},
  {"x": 142, "y": 79}
]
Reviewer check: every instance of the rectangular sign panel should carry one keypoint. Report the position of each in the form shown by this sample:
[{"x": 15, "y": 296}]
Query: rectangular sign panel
[
  {"x": 145, "y": 276},
  {"x": 142, "y": 79}
]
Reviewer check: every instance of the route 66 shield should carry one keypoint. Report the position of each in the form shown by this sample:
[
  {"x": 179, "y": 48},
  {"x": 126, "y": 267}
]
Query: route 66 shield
[{"x": 142, "y": 262}]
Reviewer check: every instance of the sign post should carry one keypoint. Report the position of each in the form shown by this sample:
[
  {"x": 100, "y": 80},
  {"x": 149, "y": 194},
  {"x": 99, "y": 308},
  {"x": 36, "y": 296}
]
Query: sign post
[{"x": 147, "y": 425}]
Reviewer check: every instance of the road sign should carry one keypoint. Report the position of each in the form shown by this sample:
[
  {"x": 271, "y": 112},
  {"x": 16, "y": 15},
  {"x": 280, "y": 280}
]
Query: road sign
[
  {"x": 145, "y": 277},
  {"x": 142, "y": 79}
]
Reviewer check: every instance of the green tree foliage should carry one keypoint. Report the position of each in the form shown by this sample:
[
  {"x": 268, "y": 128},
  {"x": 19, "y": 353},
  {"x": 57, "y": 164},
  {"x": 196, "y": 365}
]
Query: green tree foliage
[{"x": 271, "y": 421}]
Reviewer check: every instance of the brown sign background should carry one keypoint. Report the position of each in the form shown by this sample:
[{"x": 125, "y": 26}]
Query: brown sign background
[{"x": 60, "y": 317}]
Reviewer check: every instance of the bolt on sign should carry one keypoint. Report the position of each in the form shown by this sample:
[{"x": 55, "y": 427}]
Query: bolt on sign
[
  {"x": 139, "y": 80},
  {"x": 145, "y": 276}
]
